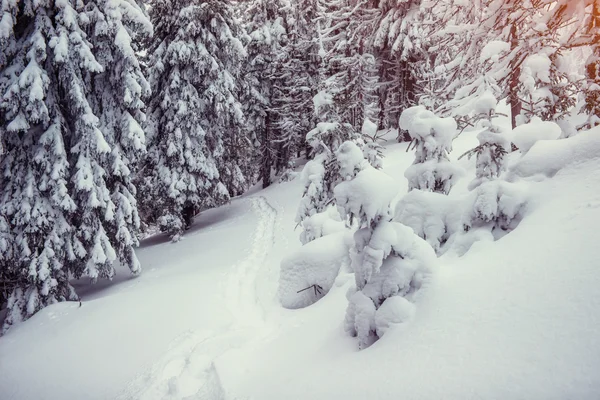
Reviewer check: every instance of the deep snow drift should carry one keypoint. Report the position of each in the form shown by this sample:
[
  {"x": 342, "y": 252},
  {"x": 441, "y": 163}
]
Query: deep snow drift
[{"x": 515, "y": 318}]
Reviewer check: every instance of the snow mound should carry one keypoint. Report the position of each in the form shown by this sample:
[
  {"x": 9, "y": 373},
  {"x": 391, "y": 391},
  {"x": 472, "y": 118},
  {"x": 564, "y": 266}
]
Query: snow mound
[
  {"x": 368, "y": 195},
  {"x": 547, "y": 157},
  {"x": 314, "y": 266},
  {"x": 394, "y": 310},
  {"x": 526, "y": 135}
]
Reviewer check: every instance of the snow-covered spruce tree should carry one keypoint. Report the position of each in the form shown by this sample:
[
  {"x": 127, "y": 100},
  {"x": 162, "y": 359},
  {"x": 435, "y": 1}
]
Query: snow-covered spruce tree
[
  {"x": 399, "y": 44},
  {"x": 579, "y": 21},
  {"x": 493, "y": 145},
  {"x": 518, "y": 44},
  {"x": 196, "y": 121},
  {"x": 67, "y": 204},
  {"x": 266, "y": 35},
  {"x": 296, "y": 81},
  {"x": 117, "y": 98},
  {"x": 432, "y": 136},
  {"x": 496, "y": 205},
  {"x": 390, "y": 262},
  {"x": 320, "y": 175},
  {"x": 350, "y": 70}
]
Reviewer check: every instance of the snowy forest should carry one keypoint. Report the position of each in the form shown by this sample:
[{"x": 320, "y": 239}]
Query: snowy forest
[{"x": 348, "y": 165}]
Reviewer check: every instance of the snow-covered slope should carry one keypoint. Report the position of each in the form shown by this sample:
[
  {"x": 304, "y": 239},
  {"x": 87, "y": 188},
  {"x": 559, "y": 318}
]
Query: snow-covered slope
[{"x": 512, "y": 319}]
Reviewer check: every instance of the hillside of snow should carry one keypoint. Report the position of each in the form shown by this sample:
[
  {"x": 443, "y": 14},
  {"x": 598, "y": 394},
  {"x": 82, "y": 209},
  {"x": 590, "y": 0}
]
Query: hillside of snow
[{"x": 515, "y": 318}]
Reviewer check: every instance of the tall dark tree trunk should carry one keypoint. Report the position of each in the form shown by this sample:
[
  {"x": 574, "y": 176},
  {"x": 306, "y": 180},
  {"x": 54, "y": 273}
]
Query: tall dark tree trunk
[
  {"x": 267, "y": 161},
  {"x": 515, "y": 71}
]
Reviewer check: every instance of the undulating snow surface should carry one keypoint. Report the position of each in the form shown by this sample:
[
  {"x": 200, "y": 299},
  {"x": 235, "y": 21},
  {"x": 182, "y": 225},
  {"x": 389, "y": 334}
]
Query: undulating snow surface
[{"x": 515, "y": 318}]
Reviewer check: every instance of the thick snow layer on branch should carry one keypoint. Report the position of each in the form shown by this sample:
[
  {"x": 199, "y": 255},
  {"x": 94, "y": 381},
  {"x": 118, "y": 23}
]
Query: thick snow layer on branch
[
  {"x": 350, "y": 159},
  {"x": 526, "y": 135},
  {"x": 423, "y": 124},
  {"x": 492, "y": 50},
  {"x": 367, "y": 196},
  {"x": 316, "y": 263}
]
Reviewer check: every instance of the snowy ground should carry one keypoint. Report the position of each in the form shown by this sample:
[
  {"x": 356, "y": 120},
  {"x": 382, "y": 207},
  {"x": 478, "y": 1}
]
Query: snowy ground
[{"x": 512, "y": 319}]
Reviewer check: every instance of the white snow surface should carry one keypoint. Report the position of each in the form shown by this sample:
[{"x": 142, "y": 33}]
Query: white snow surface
[{"x": 515, "y": 318}]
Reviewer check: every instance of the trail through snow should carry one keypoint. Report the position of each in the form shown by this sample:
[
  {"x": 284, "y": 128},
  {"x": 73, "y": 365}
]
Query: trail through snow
[{"x": 187, "y": 369}]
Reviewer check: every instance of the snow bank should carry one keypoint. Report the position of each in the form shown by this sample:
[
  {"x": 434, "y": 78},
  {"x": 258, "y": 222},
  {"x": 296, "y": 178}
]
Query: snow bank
[
  {"x": 395, "y": 310},
  {"x": 548, "y": 157},
  {"x": 316, "y": 263},
  {"x": 526, "y": 135}
]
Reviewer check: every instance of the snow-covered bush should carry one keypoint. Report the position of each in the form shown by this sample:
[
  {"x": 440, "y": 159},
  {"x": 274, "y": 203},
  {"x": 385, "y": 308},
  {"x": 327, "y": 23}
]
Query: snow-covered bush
[
  {"x": 321, "y": 224},
  {"x": 432, "y": 137},
  {"x": 388, "y": 259},
  {"x": 493, "y": 143},
  {"x": 433, "y": 216},
  {"x": 321, "y": 174},
  {"x": 308, "y": 274},
  {"x": 498, "y": 205}
]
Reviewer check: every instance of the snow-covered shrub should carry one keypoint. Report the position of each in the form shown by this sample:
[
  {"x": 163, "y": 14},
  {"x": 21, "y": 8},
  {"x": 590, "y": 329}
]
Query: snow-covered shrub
[
  {"x": 321, "y": 224},
  {"x": 313, "y": 267},
  {"x": 314, "y": 199},
  {"x": 497, "y": 204},
  {"x": 432, "y": 137},
  {"x": 321, "y": 174},
  {"x": 493, "y": 143},
  {"x": 433, "y": 216},
  {"x": 372, "y": 150},
  {"x": 388, "y": 259}
]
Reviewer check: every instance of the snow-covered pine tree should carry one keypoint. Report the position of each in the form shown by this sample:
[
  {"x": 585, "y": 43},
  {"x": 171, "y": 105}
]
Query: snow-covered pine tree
[
  {"x": 196, "y": 121},
  {"x": 320, "y": 175},
  {"x": 67, "y": 204},
  {"x": 493, "y": 145},
  {"x": 399, "y": 43},
  {"x": 390, "y": 262},
  {"x": 117, "y": 30},
  {"x": 517, "y": 45},
  {"x": 266, "y": 34},
  {"x": 432, "y": 136},
  {"x": 296, "y": 81},
  {"x": 579, "y": 23},
  {"x": 350, "y": 70}
]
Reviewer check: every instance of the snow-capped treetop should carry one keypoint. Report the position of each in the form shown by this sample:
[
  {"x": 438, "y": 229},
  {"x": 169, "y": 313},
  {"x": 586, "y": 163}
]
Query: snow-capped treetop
[
  {"x": 350, "y": 159},
  {"x": 366, "y": 197}
]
